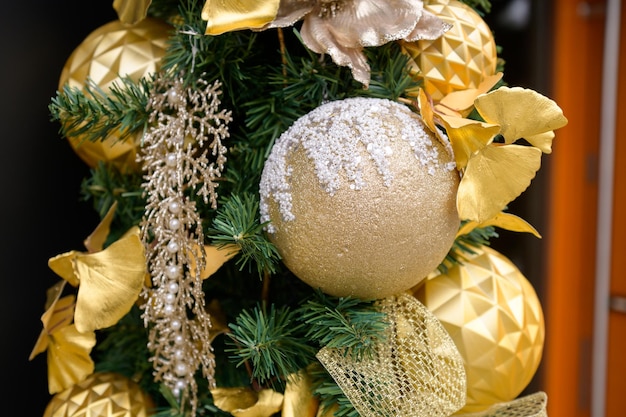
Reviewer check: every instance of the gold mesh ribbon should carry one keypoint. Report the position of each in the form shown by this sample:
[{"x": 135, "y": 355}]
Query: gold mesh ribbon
[
  {"x": 533, "y": 405},
  {"x": 417, "y": 371}
]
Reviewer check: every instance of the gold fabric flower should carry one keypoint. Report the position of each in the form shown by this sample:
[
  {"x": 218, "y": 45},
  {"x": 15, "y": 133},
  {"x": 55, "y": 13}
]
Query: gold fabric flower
[{"x": 339, "y": 28}]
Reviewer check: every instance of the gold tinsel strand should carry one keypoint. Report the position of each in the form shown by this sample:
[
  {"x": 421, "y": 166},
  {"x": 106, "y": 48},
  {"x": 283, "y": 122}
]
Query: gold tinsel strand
[{"x": 186, "y": 125}]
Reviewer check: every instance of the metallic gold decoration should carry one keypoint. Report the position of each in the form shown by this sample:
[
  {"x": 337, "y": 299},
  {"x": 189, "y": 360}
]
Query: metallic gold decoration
[
  {"x": 299, "y": 400},
  {"x": 416, "y": 372},
  {"x": 67, "y": 350},
  {"x": 131, "y": 12},
  {"x": 245, "y": 402},
  {"x": 182, "y": 154},
  {"x": 494, "y": 174},
  {"x": 108, "y": 281},
  {"x": 103, "y": 394},
  {"x": 493, "y": 315},
  {"x": 342, "y": 28},
  {"x": 521, "y": 113},
  {"x": 502, "y": 220},
  {"x": 222, "y": 16},
  {"x": 112, "y": 51},
  {"x": 361, "y": 198},
  {"x": 461, "y": 57},
  {"x": 532, "y": 405}
]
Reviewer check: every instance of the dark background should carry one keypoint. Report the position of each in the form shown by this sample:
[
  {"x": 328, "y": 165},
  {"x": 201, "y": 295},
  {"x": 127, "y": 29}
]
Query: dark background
[{"x": 40, "y": 180}]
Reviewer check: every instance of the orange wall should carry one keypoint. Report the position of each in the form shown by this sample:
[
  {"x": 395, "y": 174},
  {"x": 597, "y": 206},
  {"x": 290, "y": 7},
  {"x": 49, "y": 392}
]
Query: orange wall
[{"x": 570, "y": 234}]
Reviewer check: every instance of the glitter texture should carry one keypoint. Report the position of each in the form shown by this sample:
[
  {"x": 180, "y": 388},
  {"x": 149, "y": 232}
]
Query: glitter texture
[
  {"x": 182, "y": 151},
  {"x": 416, "y": 371},
  {"x": 360, "y": 198}
]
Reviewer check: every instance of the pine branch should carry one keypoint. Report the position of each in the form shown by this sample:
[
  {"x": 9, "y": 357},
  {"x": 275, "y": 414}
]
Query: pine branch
[
  {"x": 329, "y": 393},
  {"x": 107, "y": 185},
  {"x": 344, "y": 322},
  {"x": 271, "y": 343},
  {"x": 94, "y": 114},
  {"x": 465, "y": 245},
  {"x": 237, "y": 222}
]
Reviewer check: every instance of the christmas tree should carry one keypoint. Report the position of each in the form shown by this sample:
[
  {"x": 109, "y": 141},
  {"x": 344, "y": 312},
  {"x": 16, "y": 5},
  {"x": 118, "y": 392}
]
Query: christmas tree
[{"x": 296, "y": 202}]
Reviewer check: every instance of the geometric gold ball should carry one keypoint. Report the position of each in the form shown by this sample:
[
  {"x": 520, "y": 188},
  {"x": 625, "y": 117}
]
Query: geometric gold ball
[
  {"x": 459, "y": 59},
  {"x": 495, "y": 319},
  {"x": 102, "y": 394},
  {"x": 110, "y": 52},
  {"x": 361, "y": 198}
]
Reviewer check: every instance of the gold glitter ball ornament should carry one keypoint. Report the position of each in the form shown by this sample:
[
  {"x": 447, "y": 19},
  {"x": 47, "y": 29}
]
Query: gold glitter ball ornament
[
  {"x": 102, "y": 394},
  {"x": 460, "y": 58},
  {"x": 361, "y": 198},
  {"x": 496, "y": 321},
  {"x": 110, "y": 52}
]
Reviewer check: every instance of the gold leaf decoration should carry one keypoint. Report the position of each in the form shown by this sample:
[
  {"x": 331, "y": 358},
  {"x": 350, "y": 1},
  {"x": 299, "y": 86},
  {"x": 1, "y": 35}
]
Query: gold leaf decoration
[
  {"x": 110, "y": 282},
  {"x": 520, "y": 112},
  {"x": 225, "y": 16},
  {"x": 496, "y": 176}
]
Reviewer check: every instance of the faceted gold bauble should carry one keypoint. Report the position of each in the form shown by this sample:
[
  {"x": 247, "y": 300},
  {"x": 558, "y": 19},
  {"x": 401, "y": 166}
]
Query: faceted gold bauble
[
  {"x": 112, "y": 51},
  {"x": 461, "y": 57},
  {"x": 103, "y": 394},
  {"x": 360, "y": 197},
  {"x": 495, "y": 318}
]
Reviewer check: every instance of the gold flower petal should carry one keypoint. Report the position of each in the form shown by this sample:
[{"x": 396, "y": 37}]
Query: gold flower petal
[
  {"x": 467, "y": 137},
  {"x": 428, "y": 27},
  {"x": 244, "y": 402},
  {"x": 521, "y": 112},
  {"x": 110, "y": 282},
  {"x": 543, "y": 141},
  {"x": 58, "y": 315},
  {"x": 426, "y": 110},
  {"x": 68, "y": 358},
  {"x": 493, "y": 178},
  {"x": 460, "y": 103},
  {"x": 95, "y": 241},
  {"x": 63, "y": 266},
  {"x": 131, "y": 11},
  {"x": 214, "y": 258},
  {"x": 319, "y": 39},
  {"x": 299, "y": 400},
  {"x": 225, "y": 16},
  {"x": 502, "y": 220}
]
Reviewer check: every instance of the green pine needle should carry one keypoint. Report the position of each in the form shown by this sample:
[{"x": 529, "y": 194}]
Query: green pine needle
[
  {"x": 93, "y": 114},
  {"x": 271, "y": 343},
  {"x": 345, "y": 323},
  {"x": 237, "y": 223}
]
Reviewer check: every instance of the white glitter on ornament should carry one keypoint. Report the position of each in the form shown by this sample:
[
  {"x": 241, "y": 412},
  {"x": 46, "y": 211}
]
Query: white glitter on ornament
[{"x": 333, "y": 136}]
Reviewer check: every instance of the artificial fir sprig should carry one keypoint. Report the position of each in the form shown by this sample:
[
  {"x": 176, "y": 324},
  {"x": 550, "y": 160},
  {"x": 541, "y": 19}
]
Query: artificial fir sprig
[
  {"x": 270, "y": 343},
  {"x": 465, "y": 245},
  {"x": 94, "y": 114},
  {"x": 237, "y": 223},
  {"x": 344, "y": 322},
  {"x": 108, "y": 185}
]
